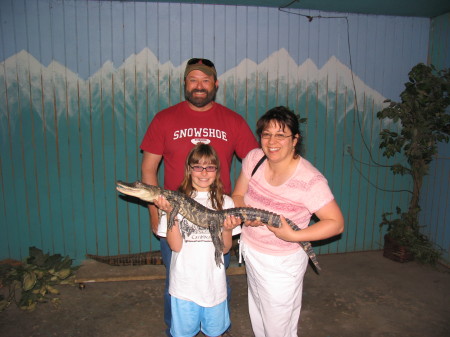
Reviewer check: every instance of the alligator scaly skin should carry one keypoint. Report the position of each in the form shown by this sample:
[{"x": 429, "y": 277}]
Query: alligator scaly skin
[{"x": 205, "y": 217}]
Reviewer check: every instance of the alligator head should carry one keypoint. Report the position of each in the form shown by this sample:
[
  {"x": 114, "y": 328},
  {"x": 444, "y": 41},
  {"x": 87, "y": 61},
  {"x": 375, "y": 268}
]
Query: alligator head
[{"x": 139, "y": 190}]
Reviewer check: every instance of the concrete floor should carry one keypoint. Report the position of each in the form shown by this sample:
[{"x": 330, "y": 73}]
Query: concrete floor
[{"x": 356, "y": 295}]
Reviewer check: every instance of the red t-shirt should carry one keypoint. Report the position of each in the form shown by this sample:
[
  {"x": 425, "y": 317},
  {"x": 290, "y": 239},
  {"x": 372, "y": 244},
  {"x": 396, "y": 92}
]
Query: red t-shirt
[{"x": 175, "y": 130}]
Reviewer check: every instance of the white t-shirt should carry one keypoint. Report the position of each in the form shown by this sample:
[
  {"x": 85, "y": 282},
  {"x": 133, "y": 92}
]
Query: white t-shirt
[{"x": 194, "y": 275}]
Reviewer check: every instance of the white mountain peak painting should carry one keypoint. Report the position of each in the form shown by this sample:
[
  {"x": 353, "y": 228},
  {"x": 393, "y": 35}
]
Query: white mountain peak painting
[{"x": 36, "y": 86}]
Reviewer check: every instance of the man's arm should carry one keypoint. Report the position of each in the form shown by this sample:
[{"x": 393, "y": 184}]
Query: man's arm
[
  {"x": 149, "y": 172},
  {"x": 247, "y": 141}
]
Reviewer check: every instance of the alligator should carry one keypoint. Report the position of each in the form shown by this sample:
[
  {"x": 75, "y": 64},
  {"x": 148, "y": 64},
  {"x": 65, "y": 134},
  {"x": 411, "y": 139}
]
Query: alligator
[{"x": 208, "y": 218}]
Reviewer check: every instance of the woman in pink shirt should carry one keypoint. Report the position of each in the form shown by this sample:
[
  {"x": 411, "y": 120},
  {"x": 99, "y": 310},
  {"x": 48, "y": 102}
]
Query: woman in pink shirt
[{"x": 287, "y": 184}]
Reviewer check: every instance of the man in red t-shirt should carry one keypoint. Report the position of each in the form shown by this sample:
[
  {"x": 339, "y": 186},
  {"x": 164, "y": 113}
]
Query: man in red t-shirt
[{"x": 175, "y": 130}]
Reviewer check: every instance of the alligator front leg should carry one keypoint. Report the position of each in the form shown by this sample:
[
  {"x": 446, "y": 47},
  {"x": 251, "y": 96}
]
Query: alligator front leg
[
  {"x": 171, "y": 216},
  {"x": 215, "y": 229}
]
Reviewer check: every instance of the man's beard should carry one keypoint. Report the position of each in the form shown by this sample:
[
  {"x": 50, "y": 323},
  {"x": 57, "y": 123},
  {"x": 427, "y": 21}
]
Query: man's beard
[{"x": 200, "y": 102}]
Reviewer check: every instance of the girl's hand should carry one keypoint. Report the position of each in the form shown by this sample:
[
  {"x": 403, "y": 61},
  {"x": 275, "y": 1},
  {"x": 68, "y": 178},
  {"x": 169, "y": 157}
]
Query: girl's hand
[
  {"x": 231, "y": 222},
  {"x": 163, "y": 204},
  {"x": 254, "y": 223},
  {"x": 284, "y": 232}
]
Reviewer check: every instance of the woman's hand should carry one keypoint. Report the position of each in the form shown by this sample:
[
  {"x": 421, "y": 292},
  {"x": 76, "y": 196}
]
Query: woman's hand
[
  {"x": 284, "y": 232},
  {"x": 163, "y": 204},
  {"x": 331, "y": 223}
]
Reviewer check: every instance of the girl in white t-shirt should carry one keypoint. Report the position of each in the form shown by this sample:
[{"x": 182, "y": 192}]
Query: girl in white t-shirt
[{"x": 197, "y": 284}]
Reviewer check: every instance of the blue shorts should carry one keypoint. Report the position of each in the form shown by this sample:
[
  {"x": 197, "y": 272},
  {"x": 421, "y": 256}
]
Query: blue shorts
[{"x": 188, "y": 318}]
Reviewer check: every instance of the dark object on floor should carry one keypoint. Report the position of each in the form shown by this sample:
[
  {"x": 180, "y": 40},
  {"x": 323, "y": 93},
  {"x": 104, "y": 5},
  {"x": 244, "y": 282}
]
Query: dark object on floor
[
  {"x": 137, "y": 259},
  {"x": 396, "y": 252}
]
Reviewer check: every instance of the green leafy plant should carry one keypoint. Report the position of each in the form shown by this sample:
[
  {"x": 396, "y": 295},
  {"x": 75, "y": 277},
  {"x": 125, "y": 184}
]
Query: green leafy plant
[
  {"x": 405, "y": 230},
  {"x": 424, "y": 123},
  {"x": 36, "y": 278}
]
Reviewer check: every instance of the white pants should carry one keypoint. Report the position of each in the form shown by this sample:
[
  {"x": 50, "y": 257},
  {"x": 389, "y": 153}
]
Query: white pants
[{"x": 275, "y": 285}]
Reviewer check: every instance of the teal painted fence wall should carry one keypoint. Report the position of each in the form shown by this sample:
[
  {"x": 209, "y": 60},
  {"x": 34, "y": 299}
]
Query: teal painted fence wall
[
  {"x": 435, "y": 198},
  {"x": 81, "y": 80}
]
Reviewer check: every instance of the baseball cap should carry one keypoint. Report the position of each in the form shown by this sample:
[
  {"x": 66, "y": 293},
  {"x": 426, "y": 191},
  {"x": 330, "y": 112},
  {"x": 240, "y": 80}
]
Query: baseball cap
[{"x": 204, "y": 65}]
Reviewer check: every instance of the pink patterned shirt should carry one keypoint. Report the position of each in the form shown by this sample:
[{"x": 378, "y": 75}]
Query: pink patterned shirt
[{"x": 297, "y": 199}]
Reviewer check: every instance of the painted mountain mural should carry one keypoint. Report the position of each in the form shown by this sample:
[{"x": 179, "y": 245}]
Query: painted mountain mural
[
  {"x": 141, "y": 86},
  {"x": 65, "y": 140}
]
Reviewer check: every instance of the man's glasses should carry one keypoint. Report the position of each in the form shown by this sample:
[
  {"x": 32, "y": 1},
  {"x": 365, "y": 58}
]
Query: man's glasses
[
  {"x": 198, "y": 168},
  {"x": 206, "y": 62},
  {"x": 277, "y": 136}
]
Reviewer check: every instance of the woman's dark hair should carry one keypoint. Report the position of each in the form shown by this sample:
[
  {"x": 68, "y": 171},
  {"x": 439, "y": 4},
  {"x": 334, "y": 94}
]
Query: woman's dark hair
[
  {"x": 205, "y": 155},
  {"x": 285, "y": 118}
]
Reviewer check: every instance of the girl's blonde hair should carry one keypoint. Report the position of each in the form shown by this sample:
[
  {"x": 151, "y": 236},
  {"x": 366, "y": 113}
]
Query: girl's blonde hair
[{"x": 205, "y": 154}]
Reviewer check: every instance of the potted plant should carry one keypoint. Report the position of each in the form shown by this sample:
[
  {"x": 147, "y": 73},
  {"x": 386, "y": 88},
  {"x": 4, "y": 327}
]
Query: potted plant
[{"x": 424, "y": 122}]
